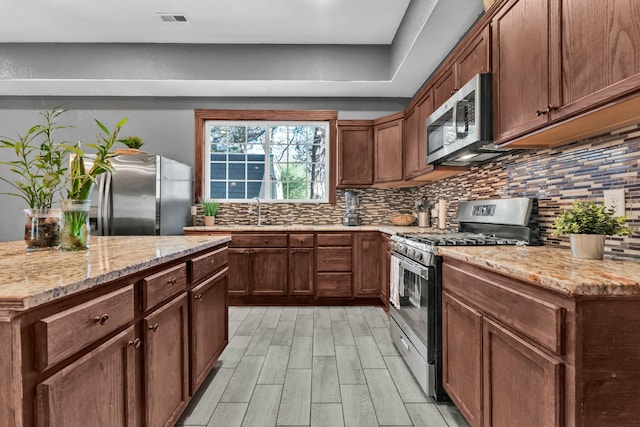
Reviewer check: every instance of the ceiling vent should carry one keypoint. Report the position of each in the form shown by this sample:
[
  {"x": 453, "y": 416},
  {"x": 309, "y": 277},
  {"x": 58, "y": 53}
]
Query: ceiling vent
[{"x": 173, "y": 17}]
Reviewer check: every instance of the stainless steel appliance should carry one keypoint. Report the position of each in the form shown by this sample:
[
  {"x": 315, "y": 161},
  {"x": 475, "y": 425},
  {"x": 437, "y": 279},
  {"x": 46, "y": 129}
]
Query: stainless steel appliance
[
  {"x": 460, "y": 132},
  {"x": 146, "y": 195},
  {"x": 416, "y": 275},
  {"x": 351, "y": 217}
]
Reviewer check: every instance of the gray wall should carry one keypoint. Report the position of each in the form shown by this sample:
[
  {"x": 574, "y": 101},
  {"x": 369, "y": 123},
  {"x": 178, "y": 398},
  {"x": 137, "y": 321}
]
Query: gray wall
[{"x": 166, "y": 124}]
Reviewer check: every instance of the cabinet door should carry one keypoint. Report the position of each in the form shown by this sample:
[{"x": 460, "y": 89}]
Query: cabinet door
[
  {"x": 368, "y": 264},
  {"x": 410, "y": 144},
  {"x": 522, "y": 384},
  {"x": 600, "y": 55},
  {"x": 425, "y": 108},
  {"x": 239, "y": 271},
  {"x": 520, "y": 68},
  {"x": 387, "y": 140},
  {"x": 166, "y": 376},
  {"x": 97, "y": 389},
  {"x": 474, "y": 59},
  {"x": 301, "y": 271},
  {"x": 355, "y": 156},
  {"x": 269, "y": 269},
  {"x": 462, "y": 357},
  {"x": 209, "y": 326},
  {"x": 444, "y": 87}
]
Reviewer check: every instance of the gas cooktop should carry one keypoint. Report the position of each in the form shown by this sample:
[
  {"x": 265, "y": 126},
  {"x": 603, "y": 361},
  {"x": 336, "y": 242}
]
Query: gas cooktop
[{"x": 452, "y": 238}]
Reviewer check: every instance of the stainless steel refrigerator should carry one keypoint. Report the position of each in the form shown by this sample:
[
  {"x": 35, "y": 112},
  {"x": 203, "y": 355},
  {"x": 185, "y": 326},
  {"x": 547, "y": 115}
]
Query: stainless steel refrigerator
[{"x": 145, "y": 195}]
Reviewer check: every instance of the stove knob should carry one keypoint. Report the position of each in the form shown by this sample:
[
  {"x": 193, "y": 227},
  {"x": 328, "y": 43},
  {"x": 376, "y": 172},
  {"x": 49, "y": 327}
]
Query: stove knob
[{"x": 418, "y": 256}]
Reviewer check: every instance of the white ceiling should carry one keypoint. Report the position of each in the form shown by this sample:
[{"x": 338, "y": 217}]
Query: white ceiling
[{"x": 417, "y": 34}]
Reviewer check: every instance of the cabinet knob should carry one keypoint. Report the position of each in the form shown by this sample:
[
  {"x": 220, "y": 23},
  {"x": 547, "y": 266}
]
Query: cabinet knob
[
  {"x": 546, "y": 111},
  {"x": 135, "y": 343},
  {"x": 172, "y": 281},
  {"x": 101, "y": 319},
  {"x": 154, "y": 327},
  {"x": 199, "y": 296}
]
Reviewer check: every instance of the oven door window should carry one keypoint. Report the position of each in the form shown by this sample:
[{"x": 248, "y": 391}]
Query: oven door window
[{"x": 416, "y": 302}]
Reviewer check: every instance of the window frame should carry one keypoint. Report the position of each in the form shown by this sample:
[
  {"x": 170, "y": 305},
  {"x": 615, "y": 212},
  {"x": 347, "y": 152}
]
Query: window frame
[{"x": 203, "y": 116}]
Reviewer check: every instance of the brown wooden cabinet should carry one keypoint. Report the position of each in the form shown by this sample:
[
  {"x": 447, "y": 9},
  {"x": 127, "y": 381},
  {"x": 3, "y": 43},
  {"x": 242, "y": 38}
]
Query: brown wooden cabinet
[
  {"x": 410, "y": 145},
  {"x": 334, "y": 266},
  {"x": 514, "y": 371},
  {"x": 301, "y": 271},
  {"x": 474, "y": 58},
  {"x": 509, "y": 355},
  {"x": 520, "y": 67},
  {"x": 444, "y": 86},
  {"x": 387, "y": 142},
  {"x": 368, "y": 266},
  {"x": 97, "y": 389},
  {"x": 166, "y": 370},
  {"x": 355, "y": 153},
  {"x": 462, "y": 357},
  {"x": 258, "y": 264},
  {"x": 208, "y": 326}
]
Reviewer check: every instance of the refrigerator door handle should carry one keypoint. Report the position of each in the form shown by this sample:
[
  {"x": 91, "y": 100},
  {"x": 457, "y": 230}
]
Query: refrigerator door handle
[
  {"x": 107, "y": 214},
  {"x": 101, "y": 183}
]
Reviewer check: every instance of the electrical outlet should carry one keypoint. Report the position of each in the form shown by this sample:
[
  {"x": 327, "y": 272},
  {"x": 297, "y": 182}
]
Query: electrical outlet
[{"x": 614, "y": 199}]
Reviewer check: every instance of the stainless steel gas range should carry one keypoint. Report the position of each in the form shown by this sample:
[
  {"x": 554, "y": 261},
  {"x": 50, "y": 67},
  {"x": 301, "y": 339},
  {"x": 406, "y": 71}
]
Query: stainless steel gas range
[{"x": 416, "y": 279}]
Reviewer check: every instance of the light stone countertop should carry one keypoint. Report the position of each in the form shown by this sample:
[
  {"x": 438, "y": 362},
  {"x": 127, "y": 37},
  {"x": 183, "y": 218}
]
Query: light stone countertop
[
  {"x": 31, "y": 279},
  {"x": 384, "y": 228},
  {"x": 554, "y": 268}
]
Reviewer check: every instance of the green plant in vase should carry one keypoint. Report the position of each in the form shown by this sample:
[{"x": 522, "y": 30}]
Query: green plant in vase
[
  {"x": 75, "y": 209},
  {"x": 40, "y": 166},
  {"x": 210, "y": 209}
]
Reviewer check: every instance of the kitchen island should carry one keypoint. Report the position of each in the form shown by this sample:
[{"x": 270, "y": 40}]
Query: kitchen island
[
  {"x": 533, "y": 336},
  {"x": 121, "y": 334}
]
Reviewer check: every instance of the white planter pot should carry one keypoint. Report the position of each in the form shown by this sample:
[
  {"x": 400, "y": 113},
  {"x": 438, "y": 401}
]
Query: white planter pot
[
  {"x": 587, "y": 246},
  {"x": 209, "y": 220}
]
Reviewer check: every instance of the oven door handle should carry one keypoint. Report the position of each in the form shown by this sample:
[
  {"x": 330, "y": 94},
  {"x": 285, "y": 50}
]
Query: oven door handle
[{"x": 412, "y": 266}]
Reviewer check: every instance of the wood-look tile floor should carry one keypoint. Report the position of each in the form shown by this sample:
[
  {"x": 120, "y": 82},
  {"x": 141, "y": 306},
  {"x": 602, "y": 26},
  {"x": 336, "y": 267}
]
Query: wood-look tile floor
[{"x": 313, "y": 366}]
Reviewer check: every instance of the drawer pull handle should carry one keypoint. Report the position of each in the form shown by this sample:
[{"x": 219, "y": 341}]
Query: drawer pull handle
[
  {"x": 154, "y": 327},
  {"x": 101, "y": 319},
  {"x": 135, "y": 343},
  {"x": 197, "y": 296},
  {"x": 173, "y": 280}
]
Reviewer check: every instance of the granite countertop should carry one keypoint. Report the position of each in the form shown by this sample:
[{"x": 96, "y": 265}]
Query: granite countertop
[
  {"x": 384, "y": 228},
  {"x": 31, "y": 279},
  {"x": 554, "y": 268}
]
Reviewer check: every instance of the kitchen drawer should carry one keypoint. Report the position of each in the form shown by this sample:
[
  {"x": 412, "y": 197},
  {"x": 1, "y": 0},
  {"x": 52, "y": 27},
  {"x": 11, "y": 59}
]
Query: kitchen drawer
[
  {"x": 301, "y": 240},
  {"x": 334, "y": 285},
  {"x": 163, "y": 285},
  {"x": 334, "y": 239},
  {"x": 531, "y": 316},
  {"x": 258, "y": 241},
  {"x": 207, "y": 264},
  {"x": 67, "y": 332},
  {"x": 333, "y": 259}
]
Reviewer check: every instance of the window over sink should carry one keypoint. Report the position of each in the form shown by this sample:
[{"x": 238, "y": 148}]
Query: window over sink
[{"x": 282, "y": 156}]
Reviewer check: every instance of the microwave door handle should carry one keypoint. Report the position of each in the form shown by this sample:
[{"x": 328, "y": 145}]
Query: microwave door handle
[{"x": 454, "y": 116}]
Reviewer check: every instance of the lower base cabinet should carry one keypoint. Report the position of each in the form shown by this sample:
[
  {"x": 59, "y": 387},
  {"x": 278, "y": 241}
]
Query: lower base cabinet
[
  {"x": 96, "y": 390},
  {"x": 209, "y": 325},
  {"x": 166, "y": 377}
]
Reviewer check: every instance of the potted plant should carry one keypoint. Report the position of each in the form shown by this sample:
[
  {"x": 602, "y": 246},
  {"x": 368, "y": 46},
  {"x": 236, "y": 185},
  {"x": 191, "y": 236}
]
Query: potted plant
[
  {"x": 75, "y": 231},
  {"x": 40, "y": 166},
  {"x": 133, "y": 143},
  {"x": 587, "y": 223},
  {"x": 210, "y": 209}
]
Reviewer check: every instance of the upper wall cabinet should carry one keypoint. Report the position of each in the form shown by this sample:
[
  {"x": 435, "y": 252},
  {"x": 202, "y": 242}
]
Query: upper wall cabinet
[
  {"x": 387, "y": 146},
  {"x": 520, "y": 68},
  {"x": 355, "y": 153},
  {"x": 564, "y": 70}
]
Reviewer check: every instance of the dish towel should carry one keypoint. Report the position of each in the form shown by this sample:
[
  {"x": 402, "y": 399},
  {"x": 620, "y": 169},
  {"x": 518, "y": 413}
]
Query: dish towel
[{"x": 394, "y": 276}]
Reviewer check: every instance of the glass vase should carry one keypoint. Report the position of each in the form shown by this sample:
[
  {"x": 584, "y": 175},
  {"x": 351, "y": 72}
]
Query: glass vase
[
  {"x": 42, "y": 229},
  {"x": 75, "y": 231}
]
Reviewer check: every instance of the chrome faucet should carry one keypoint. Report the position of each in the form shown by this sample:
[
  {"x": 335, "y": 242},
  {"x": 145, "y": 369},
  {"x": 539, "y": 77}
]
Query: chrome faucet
[{"x": 256, "y": 199}]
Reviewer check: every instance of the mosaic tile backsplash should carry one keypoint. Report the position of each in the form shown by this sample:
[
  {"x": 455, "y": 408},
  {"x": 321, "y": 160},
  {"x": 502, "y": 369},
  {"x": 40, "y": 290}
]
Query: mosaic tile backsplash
[{"x": 555, "y": 177}]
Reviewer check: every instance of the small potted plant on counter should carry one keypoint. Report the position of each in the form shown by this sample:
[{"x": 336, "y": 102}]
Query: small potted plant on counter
[
  {"x": 75, "y": 231},
  {"x": 587, "y": 223},
  {"x": 40, "y": 165},
  {"x": 133, "y": 143},
  {"x": 210, "y": 209}
]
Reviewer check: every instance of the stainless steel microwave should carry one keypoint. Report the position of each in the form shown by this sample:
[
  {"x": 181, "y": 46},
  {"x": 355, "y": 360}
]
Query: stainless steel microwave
[{"x": 460, "y": 132}]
